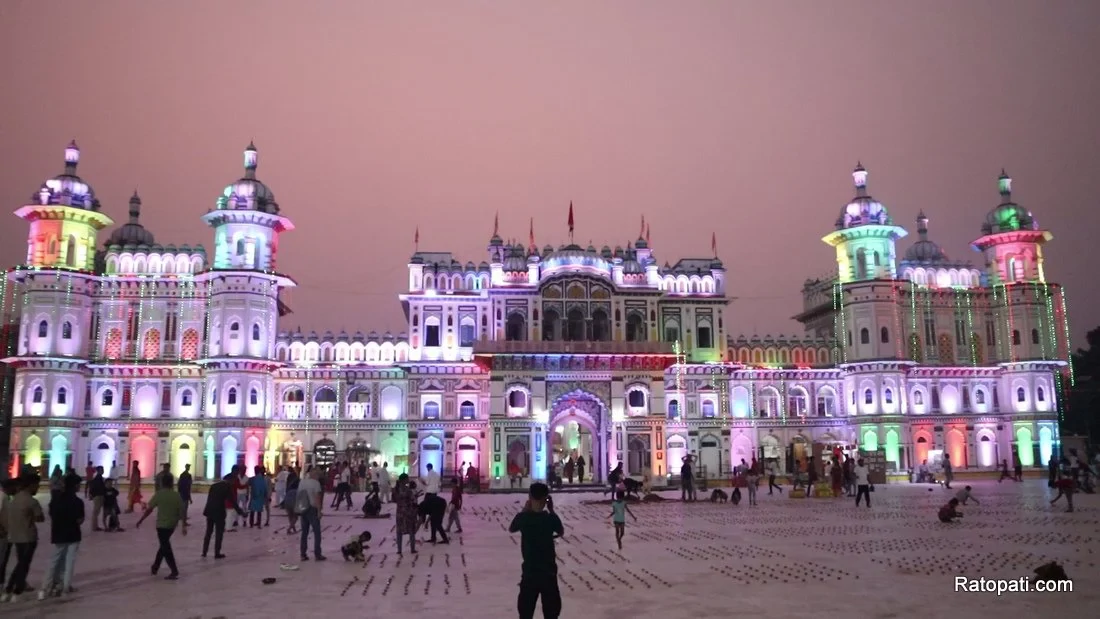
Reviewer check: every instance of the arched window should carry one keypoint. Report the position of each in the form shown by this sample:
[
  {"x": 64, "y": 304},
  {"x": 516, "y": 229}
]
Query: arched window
[
  {"x": 66, "y": 330},
  {"x": 708, "y": 408},
  {"x": 575, "y": 327},
  {"x": 1015, "y": 337},
  {"x": 868, "y": 397},
  {"x": 70, "y": 252},
  {"x": 62, "y": 395},
  {"x": 186, "y": 397},
  {"x": 861, "y": 264},
  {"x": 635, "y": 399},
  {"x": 517, "y": 399},
  {"x": 979, "y": 396},
  {"x": 864, "y": 336},
  {"x": 294, "y": 395},
  {"x": 635, "y": 330},
  {"x": 515, "y": 329},
  {"x": 1021, "y": 395},
  {"x": 888, "y": 396},
  {"x": 1040, "y": 395},
  {"x": 36, "y": 396},
  {"x": 231, "y": 397},
  {"x": 43, "y": 328},
  {"x": 431, "y": 410},
  {"x": 254, "y": 396},
  {"x": 601, "y": 326},
  {"x": 826, "y": 402},
  {"x": 256, "y": 332},
  {"x": 240, "y": 247},
  {"x": 466, "y": 410},
  {"x": 884, "y": 335},
  {"x": 234, "y": 328},
  {"x": 673, "y": 409},
  {"x": 108, "y": 398},
  {"x": 1034, "y": 336},
  {"x": 918, "y": 398}
]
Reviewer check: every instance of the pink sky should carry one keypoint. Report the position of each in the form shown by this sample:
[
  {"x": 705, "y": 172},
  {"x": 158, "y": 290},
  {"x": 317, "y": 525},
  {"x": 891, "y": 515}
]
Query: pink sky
[{"x": 738, "y": 118}]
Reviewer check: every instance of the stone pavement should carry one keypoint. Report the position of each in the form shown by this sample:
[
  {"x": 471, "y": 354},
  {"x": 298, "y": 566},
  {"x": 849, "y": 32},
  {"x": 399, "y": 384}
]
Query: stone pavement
[{"x": 784, "y": 558}]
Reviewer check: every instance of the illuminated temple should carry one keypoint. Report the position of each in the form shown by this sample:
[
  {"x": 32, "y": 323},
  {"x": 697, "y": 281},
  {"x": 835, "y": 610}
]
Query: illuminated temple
[{"x": 122, "y": 348}]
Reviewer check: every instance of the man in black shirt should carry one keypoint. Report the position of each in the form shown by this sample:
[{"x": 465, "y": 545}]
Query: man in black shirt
[{"x": 538, "y": 526}]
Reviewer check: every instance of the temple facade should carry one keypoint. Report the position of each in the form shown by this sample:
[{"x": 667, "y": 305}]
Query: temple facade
[{"x": 130, "y": 350}]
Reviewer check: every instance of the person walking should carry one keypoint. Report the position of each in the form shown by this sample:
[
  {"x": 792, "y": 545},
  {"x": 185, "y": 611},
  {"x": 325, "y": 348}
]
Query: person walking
[
  {"x": 772, "y": 471},
  {"x": 133, "y": 492},
  {"x": 169, "y": 508},
  {"x": 219, "y": 498},
  {"x": 97, "y": 489},
  {"x": 456, "y": 506},
  {"x": 66, "y": 516},
  {"x": 619, "y": 510},
  {"x": 431, "y": 482},
  {"x": 23, "y": 515},
  {"x": 257, "y": 497},
  {"x": 308, "y": 502},
  {"x": 863, "y": 485},
  {"x": 184, "y": 486},
  {"x": 538, "y": 527},
  {"x": 752, "y": 480},
  {"x": 385, "y": 488}
]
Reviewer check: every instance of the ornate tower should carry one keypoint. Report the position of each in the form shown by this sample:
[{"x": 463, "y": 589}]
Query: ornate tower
[
  {"x": 866, "y": 311},
  {"x": 242, "y": 314},
  {"x": 56, "y": 285},
  {"x": 1023, "y": 303}
]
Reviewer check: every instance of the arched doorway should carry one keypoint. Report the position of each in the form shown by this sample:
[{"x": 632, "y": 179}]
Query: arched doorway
[
  {"x": 741, "y": 450},
  {"x": 800, "y": 453},
  {"x": 228, "y": 455},
  {"x": 467, "y": 454},
  {"x": 986, "y": 455},
  {"x": 710, "y": 457},
  {"x": 102, "y": 453},
  {"x": 183, "y": 454},
  {"x": 431, "y": 452},
  {"x": 921, "y": 449},
  {"x": 1024, "y": 447},
  {"x": 519, "y": 457},
  {"x": 144, "y": 450},
  {"x": 956, "y": 446},
  {"x": 579, "y": 415},
  {"x": 1046, "y": 444},
  {"x": 675, "y": 451},
  {"x": 59, "y": 453},
  {"x": 252, "y": 454},
  {"x": 637, "y": 461},
  {"x": 32, "y": 451}
]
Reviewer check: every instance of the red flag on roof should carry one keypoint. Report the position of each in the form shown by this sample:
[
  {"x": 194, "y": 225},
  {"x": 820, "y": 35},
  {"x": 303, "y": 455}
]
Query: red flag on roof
[
  {"x": 531, "y": 240},
  {"x": 714, "y": 244},
  {"x": 416, "y": 238},
  {"x": 570, "y": 220}
]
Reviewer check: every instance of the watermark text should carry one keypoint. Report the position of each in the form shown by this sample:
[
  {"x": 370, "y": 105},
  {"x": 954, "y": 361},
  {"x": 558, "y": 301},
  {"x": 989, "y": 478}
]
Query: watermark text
[{"x": 1001, "y": 586}]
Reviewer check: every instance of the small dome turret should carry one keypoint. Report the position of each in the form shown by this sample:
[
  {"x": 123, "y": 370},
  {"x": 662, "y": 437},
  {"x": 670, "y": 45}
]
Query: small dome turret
[
  {"x": 1008, "y": 216},
  {"x": 863, "y": 210},
  {"x": 132, "y": 232},
  {"x": 248, "y": 193},
  {"x": 924, "y": 250},
  {"x": 67, "y": 189}
]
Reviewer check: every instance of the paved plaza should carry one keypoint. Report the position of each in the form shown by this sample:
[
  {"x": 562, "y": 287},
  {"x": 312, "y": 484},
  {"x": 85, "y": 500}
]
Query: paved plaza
[{"x": 784, "y": 558}]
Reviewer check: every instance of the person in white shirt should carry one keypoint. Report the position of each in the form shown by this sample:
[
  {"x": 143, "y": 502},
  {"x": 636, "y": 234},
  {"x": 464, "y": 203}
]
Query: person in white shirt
[
  {"x": 965, "y": 495},
  {"x": 384, "y": 483},
  {"x": 431, "y": 482},
  {"x": 308, "y": 505},
  {"x": 343, "y": 486},
  {"x": 280, "y": 485},
  {"x": 863, "y": 484}
]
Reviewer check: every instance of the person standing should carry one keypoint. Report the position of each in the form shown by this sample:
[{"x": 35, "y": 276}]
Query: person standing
[
  {"x": 257, "y": 497},
  {"x": 9, "y": 488},
  {"x": 133, "y": 492},
  {"x": 538, "y": 526},
  {"x": 405, "y": 497},
  {"x": 948, "y": 471},
  {"x": 280, "y": 485},
  {"x": 752, "y": 480},
  {"x": 436, "y": 508},
  {"x": 169, "y": 507},
  {"x": 219, "y": 498},
  {"x": 97, "y": 489},
  {"x": 580, "y": 469},
  {"x": 687, "y": 481},
  {"x": 863, "y": 485},
  {"x": 1018, "y": 468},
  {"x": 89, "y": 473},
  {"x": 241, "y": 484},
  {"x": 23, "y": 515},
  {"x": 385, "y": 491},
  {"x": 431, "y": 482},
  {"x": 184, "y": 486},
  {"x": 308, "y": 502},
  {"x": 66, "y": 516}
]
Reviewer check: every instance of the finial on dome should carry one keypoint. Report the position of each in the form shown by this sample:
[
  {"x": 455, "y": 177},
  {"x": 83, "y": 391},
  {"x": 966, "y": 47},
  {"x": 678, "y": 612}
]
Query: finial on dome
[
  {"x": 922, "y": 225},
  {"x": 135, "y": 207},
  {"x": 251, "y": 159},
  {"x": 1004, "y": 185},
  {"x": 72, "y": 157},
  {"x": 859, "y": 176}
]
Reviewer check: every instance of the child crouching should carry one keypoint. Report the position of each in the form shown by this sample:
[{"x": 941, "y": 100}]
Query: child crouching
[
  {"x": 353, "y": 550},
  {"x": 950, "y": 512}
]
